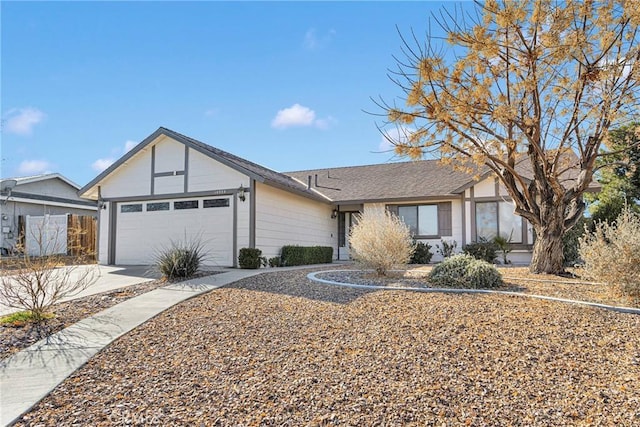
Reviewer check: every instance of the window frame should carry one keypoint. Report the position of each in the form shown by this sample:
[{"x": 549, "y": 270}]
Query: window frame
[
  {"x": 180, "y": 205},
  {"x": 519, "y": 241},
  {"x": 443, "y": 218},
  {"x": 131, "y": 208}
]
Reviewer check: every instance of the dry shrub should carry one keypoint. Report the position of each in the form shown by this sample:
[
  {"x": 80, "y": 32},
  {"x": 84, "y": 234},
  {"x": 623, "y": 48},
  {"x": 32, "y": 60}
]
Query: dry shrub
[
  {"x": 41, "y": 282},
  {"x": 380, "y": 240},
  {"x": 611, "y": 253}
]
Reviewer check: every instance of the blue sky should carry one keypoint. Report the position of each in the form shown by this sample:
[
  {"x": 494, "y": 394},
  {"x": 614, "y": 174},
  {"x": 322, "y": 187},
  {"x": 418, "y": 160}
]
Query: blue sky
[{"x": 283, "y": 84}]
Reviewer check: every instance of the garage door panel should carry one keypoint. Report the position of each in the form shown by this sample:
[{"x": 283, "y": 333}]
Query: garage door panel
[{"x": 140, "y": 235}]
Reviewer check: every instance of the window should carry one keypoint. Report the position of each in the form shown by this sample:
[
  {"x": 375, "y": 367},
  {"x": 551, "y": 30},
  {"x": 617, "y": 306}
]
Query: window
[
  {"x": 215, "y": 203},
  {"x": 137, "y": 207},
  {"x": 422, "y": 220},
  {"x": 432, "y": 220},
  {"x": 187, "y": 204},
  {"x": 493, "y": 218},
  {"x": 160, "y": 206}
]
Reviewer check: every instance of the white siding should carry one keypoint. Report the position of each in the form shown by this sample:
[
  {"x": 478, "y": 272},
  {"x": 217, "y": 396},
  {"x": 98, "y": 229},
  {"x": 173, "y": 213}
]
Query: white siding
[
  {"x": 243, "y": 224},
  {"x": 50, "y": 187},
  {"x": 486, "y": 188},
  {"x": 283, "y": 219},
  {"x": 168, "y": 184},
  {"x": 169, "y": 155},
  {"x": 133, "y": 178},
  {"x": 103, "y": 234},
  {"x": 205, "y": 174}
]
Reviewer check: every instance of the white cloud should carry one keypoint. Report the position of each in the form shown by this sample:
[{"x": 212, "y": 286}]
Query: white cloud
[
  {"x": 312, "y": 41},
  {"x": 296, "y": 115},
  {"x": 21, "y": 121},
  {"x": 129, "y": 145},
  {"x": 34, "y": 167},
  {"x": 299, "y": 115},
  {"x": 212, "y": 112},
  {"x": 397, "y": 134},
  {"x": 101, "y": 164}
]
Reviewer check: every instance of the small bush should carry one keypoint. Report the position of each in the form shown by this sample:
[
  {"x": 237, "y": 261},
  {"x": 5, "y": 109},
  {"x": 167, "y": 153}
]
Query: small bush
[
  {"x": 446, "y": 249},
  {"x": 504, "y": 245},
  {"x": 251, "y": 258},
  {"x": 275, "y": 262},
  {"x": 482, "y": 249},
  {"x": 380, "y": 240},
  {"x": 611, "y": 253},
  {"x": 422, "y": 253},
  {"x": 465, "y": 271},
  {"x": 180, "y": 260},
  {"x": 305, "y": 255}
]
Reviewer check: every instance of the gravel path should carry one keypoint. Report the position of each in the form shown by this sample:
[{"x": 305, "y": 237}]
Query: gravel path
[
  {"x": 14, "y": 338},
  {"x": 278, "y": 349}
]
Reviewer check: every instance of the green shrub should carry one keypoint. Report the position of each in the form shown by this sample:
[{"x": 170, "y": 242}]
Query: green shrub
[
  {"x": 446, "y": 249},
  {"x": 465, "y": 271},
  {"x": 504, "y": 245},
  {"x": 380, "y": 240},
  {"x": 251, "y": 258},
  {"x": 305, "y": 255},
  {"x": 482, "y": 249},
  {"x": 422, "y": 254},
  {"x": 451, "y": 271},
  {"x": 180, "y": 260},
  {"x": 275, "y": 262},
  {"x": 611, "y": 253}
]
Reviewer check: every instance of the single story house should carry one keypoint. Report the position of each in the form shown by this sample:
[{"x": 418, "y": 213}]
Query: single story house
[
  {"x": 171, "y": 187},
  {"x": 37, "y": 196}
]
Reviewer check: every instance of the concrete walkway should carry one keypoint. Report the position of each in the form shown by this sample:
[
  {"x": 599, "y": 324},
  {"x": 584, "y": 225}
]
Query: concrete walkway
[
  {"x": 29, "y": 375},
  {"x": 108, "y": 278}
]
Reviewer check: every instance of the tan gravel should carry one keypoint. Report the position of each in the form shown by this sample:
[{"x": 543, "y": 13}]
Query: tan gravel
[{"x": 278, "y": 349}]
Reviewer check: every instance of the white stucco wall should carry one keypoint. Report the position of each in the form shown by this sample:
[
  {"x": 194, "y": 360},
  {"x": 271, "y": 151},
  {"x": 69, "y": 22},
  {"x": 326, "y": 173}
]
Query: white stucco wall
[{"x": 283, "y": 218}]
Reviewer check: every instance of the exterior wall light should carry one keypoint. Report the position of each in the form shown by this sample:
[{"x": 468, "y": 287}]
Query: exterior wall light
[
  {"x": 241, "y": 194},
  {"x": 334, "y": 213}
]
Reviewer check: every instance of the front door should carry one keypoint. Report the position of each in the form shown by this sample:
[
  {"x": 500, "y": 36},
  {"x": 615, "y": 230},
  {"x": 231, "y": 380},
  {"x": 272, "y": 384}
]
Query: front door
[{"x": 345, "y": 221}]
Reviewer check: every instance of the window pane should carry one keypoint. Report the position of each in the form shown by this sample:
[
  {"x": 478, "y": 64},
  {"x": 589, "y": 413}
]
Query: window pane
[
  {"x": 409, "y": 214},
  {"x": 188, "y": 204},
  {"x": 131, "y": 208},
  {"x": 428, "y": 220},
  {"x": 161, "y": 206},
  {"x": 510, "y": 223},
  {"x": 487, "y": 220},
  {"x": 215, "y": 203}
]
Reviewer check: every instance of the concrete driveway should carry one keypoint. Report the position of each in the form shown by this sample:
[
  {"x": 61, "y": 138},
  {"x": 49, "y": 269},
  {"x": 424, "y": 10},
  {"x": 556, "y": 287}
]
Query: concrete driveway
[{"x": 109, "y": 278}]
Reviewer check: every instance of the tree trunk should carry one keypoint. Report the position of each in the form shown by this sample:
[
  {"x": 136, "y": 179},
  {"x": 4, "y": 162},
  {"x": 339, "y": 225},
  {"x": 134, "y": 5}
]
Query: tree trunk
[{"x": 548, "y": 255}]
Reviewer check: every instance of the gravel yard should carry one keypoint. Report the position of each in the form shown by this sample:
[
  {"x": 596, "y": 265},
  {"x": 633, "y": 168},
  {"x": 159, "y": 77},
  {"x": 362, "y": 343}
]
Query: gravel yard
[{"x": 278, "y": 349}]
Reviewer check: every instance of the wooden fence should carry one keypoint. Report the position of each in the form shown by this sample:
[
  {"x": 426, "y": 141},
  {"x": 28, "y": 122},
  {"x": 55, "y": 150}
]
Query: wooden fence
[
  {"x": 81, "y": 232},
  {"x": 82, "y": 235}
]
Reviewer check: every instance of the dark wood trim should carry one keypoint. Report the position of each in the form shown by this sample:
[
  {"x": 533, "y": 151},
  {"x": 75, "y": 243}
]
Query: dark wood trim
[
  {"x": 464, "y": 219},
  {"x": 252, "y": 213},
  {"x": 172, "y": 173},
  {"x": 186, "y": 168},
  {"x": 153, "y": 168},
  {"x": 113, "y": 223},
  {"x": 221, "y": 192},
  {"x": 472, "y": 215}
]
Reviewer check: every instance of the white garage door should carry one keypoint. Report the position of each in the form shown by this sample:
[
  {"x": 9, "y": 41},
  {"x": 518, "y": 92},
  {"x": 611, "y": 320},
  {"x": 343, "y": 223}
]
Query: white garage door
[{"x": 144, "y": 228}]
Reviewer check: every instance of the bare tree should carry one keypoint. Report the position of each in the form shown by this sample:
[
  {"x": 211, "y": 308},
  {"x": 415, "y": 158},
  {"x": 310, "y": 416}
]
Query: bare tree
[
  {"x": 42, "y": 280},
  {"x": 528, "y": 90}
]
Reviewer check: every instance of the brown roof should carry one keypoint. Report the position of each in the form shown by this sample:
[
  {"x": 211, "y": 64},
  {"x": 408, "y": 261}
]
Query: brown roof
[{"x": 387, "y": 181}]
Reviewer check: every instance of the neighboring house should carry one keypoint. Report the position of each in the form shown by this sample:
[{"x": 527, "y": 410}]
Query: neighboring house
[
  {"x": 171, "y": 187},
  {"x": 39, "y": 195}
]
